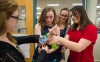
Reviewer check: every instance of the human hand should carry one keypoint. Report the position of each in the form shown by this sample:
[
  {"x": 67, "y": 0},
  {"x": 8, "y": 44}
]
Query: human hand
[
  {"x": 53, "y": 39},
  {"x": 39, "y": 49},
  {"x": 52, "y": 31},
  {"x": 45, "y": 47},
  {"x": 63, "y": 49}
]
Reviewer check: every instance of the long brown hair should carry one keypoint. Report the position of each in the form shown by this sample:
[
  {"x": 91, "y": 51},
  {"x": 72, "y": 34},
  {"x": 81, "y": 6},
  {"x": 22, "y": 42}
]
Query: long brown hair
[
  {"x": 67, "y": 20},
  {"x": 43, "y": 16},
  {"x": 7, "y": 7},
  {"x": 80, "y": 12}
]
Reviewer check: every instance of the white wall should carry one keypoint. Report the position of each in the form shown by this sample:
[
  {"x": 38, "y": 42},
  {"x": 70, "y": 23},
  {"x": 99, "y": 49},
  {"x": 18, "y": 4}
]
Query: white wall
[{"x": 97, "y": 49}]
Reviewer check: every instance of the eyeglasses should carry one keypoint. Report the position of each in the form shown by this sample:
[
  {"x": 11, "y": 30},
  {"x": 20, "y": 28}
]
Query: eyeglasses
[
  {"x": 15, "y": 17},
  {"x": 65, "y": 16}
]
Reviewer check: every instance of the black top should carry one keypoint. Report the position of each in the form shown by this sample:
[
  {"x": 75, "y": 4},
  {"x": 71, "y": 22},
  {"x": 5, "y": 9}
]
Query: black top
[
  {"x": 63, "y": 32},
  {"x": 9, "y": 53},
  {"x": 51, "y": 56},
  {"x": 27, "y": 39}
]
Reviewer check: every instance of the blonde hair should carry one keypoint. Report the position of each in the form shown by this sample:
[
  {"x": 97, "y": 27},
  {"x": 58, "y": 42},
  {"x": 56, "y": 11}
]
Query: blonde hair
[
  {"x": 7, "y": 7},
  {"x": 67, "y": 21}
]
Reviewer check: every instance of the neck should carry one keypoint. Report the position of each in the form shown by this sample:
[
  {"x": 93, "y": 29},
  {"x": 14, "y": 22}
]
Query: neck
[
  {"x": 62, "y": 23},
  {"x": 78, "y": 27},
  {"x": 3, "y": 36},
  {"x": 5, "y": 39},
  {"x": 49, "y": 25}
]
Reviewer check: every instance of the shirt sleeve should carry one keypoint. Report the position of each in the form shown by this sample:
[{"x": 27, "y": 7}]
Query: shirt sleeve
[
  {"x": 10, "y": 56},
  {"x": 42, "y": 57},
  {"x": 27, "y": 39},
  {"x": 90, "y": 33}
]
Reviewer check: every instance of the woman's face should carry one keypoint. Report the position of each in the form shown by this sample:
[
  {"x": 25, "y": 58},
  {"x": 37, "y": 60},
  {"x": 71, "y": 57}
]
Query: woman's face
[
  {"x": 49, "y": 18},
  {"x": 64, "y": 15},
  {"x": 75, "y": 18},
  {"x": 12, "y": 21}
]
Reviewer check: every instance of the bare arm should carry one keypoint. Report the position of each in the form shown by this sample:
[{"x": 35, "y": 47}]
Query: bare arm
[
  {"x": 58, "y": 34},
  {"x": 78, "y": 47},
  {"x": 64, "y": 47},
  {"x": 89, "y": 36},
  {"x": 38, "y": 31}
]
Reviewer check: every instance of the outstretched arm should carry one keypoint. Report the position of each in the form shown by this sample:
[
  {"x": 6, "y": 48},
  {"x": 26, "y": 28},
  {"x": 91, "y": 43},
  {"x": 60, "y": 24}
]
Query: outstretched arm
[{"x": 27, "y": 39}]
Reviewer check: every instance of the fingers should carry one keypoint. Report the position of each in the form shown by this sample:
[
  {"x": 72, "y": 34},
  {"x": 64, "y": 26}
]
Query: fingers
[
  {"x": 52, "y": 40},
  {"x": 41, "y": 36},
  {"x": 63, "y": 49},
  {"x": 39, "y": 49},
  {"x": 53, "y": 30},
  {"x": 44, "y": 46}
]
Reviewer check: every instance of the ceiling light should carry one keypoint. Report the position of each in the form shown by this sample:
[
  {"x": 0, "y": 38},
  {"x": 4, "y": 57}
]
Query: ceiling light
[
  {"x": 38, "y": 12},
  {"x": 77, "y": 4},
  {"x": 38, "y": 8},
  {"x": 98, "y": 6},
  {"x": 52, "y": 4}
]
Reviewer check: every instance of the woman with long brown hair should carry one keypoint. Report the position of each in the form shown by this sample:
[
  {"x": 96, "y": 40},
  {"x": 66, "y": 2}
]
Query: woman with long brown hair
[
  {"x": 46, "y": 21},
  {"x": 81, "y": 36}
]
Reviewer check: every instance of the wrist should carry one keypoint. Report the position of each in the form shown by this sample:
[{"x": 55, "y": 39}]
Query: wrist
[{"x": 59, "y": 39}]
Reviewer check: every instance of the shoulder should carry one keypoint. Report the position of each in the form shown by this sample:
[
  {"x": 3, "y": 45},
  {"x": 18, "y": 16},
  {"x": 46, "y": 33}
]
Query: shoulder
[
  {"x": 90, "y": 27},
  {"x": 90, "y": 30},
  {"x": 90, "y": 33},
  {"x": 37, "y": 26},
  {"x": 4, "y": 46}
]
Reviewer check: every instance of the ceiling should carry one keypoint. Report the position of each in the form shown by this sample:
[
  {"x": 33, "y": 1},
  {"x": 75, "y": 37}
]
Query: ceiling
[{"x": 62, "y": 4}]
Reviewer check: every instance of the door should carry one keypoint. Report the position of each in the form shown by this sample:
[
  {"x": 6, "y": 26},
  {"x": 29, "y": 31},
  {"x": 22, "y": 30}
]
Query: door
[{"x": 26, "y": 19}]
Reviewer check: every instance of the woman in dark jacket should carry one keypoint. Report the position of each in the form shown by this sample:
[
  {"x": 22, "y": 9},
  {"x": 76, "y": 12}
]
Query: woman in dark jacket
[{"x": 9, "y": 52}]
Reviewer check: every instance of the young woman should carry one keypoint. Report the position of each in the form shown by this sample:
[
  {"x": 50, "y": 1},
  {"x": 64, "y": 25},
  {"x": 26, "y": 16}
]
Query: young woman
[
  {"x": 63, "y": 24},
  {"x": 46, "y": 21},
  {"x": 8, "y": 20},
  {"x": 81, "y": 36}
]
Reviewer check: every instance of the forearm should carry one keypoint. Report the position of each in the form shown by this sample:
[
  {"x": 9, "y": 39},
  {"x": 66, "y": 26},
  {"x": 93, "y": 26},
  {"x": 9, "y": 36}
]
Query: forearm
[
  {"x": 27, "y": 39},
  {"x": 69, "y": 44},
  {"x": 52, "y": 50}
]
